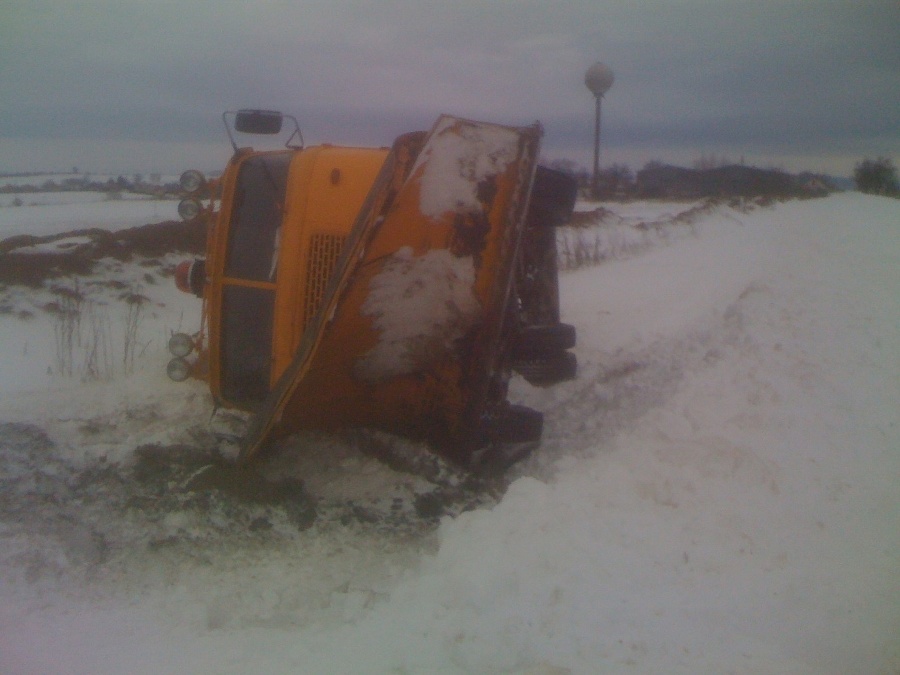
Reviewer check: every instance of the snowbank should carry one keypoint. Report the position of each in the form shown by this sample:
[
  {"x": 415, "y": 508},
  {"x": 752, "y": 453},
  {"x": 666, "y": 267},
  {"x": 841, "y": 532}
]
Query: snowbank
[{"x": 716, "y": 492}]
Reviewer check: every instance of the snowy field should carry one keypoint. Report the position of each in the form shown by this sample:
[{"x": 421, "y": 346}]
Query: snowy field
[
  {"x": 717, "y": 492},
  {"x": 43, "y": 213}
]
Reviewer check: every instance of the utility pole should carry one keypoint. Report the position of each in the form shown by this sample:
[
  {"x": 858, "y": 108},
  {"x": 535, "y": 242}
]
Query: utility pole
[{"x": 598, "y": 79}]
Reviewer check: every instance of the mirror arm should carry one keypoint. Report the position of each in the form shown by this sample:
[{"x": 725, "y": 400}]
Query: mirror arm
[
  {"x": 296, "y": 133},
  {"x": 228, "y": 129}
]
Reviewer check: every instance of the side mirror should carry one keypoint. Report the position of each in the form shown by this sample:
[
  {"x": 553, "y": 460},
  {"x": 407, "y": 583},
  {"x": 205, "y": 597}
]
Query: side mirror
[
  {"x": 258, "y": 121},
  {"x": 261, "y": 122}
]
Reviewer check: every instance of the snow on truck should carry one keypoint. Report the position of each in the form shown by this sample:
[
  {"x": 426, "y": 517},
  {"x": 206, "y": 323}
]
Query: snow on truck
[{"x": 394, "y": 289}]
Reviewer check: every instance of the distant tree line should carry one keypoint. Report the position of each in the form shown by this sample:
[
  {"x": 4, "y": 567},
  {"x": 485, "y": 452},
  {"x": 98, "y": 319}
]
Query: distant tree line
[
  {"x": 84, "y": 183},
  {"x": 877, "y": 177},
  {"x": 710, "y": 177}
]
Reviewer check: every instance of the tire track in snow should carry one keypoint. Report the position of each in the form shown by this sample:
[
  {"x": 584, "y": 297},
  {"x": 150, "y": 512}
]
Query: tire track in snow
[{"x": 608, "y": 399}]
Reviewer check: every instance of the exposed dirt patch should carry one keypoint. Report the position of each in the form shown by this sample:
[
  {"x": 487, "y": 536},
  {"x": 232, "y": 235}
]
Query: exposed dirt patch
[
  {"x": 25, "y": 261},
  {"x": 59, "y": 517}
]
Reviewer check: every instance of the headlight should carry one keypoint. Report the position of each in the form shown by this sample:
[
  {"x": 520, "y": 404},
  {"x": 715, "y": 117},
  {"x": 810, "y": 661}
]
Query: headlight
[
  {"x": 189, "y": 208},
  {"x": 191, "y": 180},
  {"x": 178, "y": 369},
  {"x": 181, "y": 344}
]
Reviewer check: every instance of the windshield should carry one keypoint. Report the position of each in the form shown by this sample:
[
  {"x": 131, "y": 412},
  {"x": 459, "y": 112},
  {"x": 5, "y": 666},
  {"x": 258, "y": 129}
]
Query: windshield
[
  {"x": 256, "y": 217},
  {"x": 247, "y": 311}
]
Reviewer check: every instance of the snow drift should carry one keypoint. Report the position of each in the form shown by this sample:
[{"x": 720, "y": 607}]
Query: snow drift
[{"x": 716, "y": 491}]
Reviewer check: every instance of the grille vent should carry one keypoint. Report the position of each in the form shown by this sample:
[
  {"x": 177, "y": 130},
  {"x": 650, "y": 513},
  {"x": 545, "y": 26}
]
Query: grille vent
[{"x": 324, "y": 250}]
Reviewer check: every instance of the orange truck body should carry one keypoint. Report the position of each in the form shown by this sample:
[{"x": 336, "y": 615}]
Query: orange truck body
[{"x": 376, "y": 288}]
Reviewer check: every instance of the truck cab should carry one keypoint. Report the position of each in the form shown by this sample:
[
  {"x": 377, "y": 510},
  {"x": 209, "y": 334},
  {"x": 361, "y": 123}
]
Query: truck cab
[{"x": 283, "y": 218}]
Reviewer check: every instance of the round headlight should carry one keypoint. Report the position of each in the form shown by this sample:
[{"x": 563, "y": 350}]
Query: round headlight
[
  {"x": 178, "y": 369},
  {"x": 181, "y": 344},
  {"x": 189, "y": 208},
  {"x": 191, "y": 180}
]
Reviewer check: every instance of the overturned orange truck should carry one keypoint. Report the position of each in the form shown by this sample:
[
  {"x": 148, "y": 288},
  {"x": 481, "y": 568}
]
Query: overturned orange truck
[{"x": 396, "y": 289}]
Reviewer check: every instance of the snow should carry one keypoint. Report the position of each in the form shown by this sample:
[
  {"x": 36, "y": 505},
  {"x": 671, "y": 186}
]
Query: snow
[
  {"x": 458, "y": 156},
  {"x": 52, "y": 213},
  {"x": 715, "y": 492},
  {"x": 67, "y": 197},
  {"x": 40, "y": 179},
  {"x": 404, "y": 288},
  {"x": 62, "y": 245}
]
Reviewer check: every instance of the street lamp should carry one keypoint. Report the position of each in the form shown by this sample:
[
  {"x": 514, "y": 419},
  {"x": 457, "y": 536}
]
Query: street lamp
[{"x": 598, "y": 79}]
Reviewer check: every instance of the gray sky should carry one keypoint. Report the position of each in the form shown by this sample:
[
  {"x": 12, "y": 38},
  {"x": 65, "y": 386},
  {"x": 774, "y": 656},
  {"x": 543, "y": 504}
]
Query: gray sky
[{"x": 133, "y": 85}]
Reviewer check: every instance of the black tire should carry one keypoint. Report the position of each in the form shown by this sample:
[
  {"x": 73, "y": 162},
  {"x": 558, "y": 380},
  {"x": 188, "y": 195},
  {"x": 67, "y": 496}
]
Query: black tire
[
  {"x": 534, "y": 341},
  {"x": 548, "y": 370},
  {"x": 553, "y": 197},
  {"x": 537, "y": 279},
  {"x": 512, "y": 424}
]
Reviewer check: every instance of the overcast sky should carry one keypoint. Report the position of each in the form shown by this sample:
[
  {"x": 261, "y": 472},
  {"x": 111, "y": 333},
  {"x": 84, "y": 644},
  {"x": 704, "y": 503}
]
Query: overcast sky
[{"x": 134, "y": 85}]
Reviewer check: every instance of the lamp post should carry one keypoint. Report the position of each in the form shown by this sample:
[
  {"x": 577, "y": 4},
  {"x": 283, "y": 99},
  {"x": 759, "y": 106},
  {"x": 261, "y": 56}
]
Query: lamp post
[{"x": 598, "y": 79}]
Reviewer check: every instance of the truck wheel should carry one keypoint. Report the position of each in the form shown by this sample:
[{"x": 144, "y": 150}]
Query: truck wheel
[
  {"x": 553, "y": 196},
  {"x": 548, "y": 370},
  {"x": 534, "y": 341},
  {"x": 537, "y": 279},
  {"x": 512, "y": 424}
]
